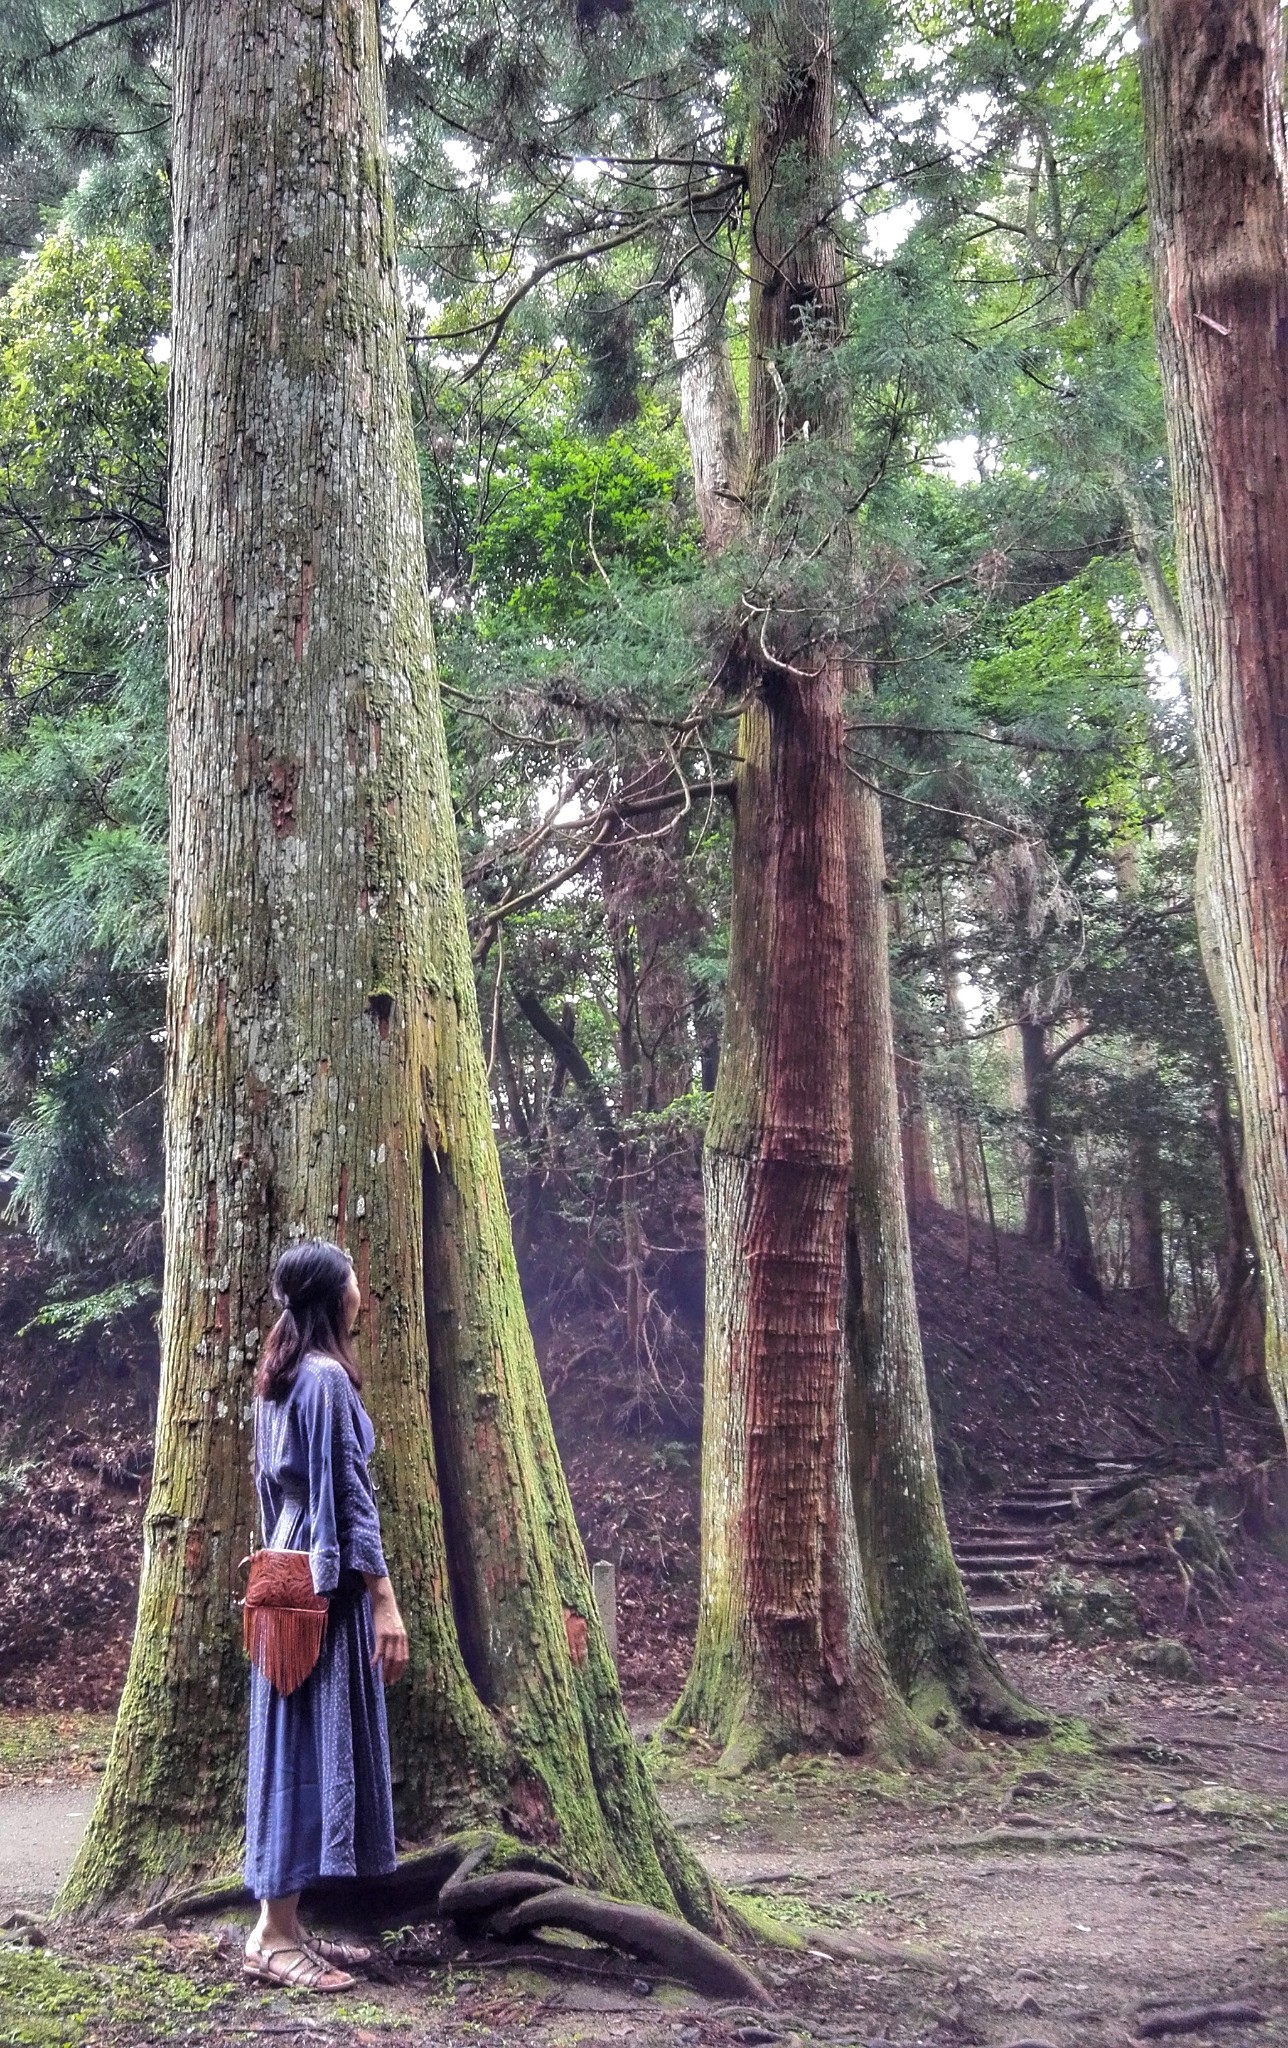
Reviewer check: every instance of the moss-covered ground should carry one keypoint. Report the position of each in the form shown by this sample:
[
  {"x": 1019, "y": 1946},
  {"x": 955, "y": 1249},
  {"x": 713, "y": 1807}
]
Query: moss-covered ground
[{"x": 34, "y": 1745}]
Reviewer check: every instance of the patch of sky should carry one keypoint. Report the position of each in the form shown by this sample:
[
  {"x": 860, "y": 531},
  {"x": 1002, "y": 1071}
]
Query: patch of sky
[{"x": 965, "y": 459}]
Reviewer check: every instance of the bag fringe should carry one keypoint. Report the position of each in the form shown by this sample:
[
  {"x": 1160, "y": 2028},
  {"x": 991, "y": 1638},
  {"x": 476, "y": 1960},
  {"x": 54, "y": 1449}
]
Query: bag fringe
[
  {"x": 283, "y": 1619},
  {"x": 284, "y": 1643}
]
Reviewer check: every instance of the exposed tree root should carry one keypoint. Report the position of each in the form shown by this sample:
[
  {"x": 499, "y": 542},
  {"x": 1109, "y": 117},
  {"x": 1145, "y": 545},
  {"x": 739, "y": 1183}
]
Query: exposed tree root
[
  {"x": 983, "y": 1697},
  {"x": 1197, "y": 2018},
  {"x": 467, "y": 1898},
  {"x": 529, "y": 1893},
  {"x": 1041, "y": 1839},
  {"x": 671, "y": 1945}
]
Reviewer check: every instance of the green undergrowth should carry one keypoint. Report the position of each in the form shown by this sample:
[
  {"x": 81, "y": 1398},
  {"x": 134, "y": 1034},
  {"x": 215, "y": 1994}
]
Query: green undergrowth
[
  {"x": 765, "y": 1925},
  {"x": 795, "y": 1909},
  {"x": 32, "y": 1745},
  {"x": 50, "y": 2001},
  {"x": 806, "y": 1786},
  {"x": 1068, "y": 1765},
  {"x": 149, "y": 1989}
]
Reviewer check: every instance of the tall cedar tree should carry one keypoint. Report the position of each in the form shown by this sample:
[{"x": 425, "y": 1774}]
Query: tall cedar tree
[
  {"x": 1212, "y": 73},
  {"x": 930, "y": 1637},
  {"x": 927, "y": 1632},
  {"x": 325, "y": 1070},
  {"x": 786, "y": 1654}
]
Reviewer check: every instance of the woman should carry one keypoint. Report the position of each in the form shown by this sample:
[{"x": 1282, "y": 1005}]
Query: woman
[{"x": 318, "y": 1798}]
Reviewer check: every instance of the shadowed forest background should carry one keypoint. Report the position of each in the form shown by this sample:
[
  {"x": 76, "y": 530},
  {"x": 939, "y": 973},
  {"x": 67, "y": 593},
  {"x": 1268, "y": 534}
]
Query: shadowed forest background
[
  {"x": 1061, "y": 1071},
  {"x": 892, "y": 584}
]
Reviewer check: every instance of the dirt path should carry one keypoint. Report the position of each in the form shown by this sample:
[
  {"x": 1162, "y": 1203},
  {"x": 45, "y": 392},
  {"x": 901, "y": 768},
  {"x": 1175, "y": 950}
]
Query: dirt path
[
  {"x": 40, "y": 1831},
  {"x": 1044, "y": 1893}
]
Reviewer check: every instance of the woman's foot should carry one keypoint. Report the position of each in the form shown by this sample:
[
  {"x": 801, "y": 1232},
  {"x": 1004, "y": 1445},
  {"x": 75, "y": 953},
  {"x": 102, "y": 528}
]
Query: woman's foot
[{"x": 297, "y": 1967}]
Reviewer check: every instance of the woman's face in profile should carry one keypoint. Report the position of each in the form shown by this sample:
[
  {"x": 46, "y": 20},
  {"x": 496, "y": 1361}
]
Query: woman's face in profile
[{"x": 351, "y": 1301}]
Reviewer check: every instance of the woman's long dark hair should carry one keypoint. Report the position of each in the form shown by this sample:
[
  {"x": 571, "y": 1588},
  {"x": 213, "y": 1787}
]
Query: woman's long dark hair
[{"x": 308, "y": 1286}]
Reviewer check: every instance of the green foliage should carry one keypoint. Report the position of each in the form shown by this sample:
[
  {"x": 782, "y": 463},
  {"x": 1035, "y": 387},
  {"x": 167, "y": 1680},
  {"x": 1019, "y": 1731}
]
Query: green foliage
[
  {"x": 82, "y": 399},
  {"x": 82, "y": 749},
  {"x": 567, "y": 519},
  {"x": 82, "y": 869},
  {"x": 72, "y": 1319},
  {"x": 1030, "y": 742}
]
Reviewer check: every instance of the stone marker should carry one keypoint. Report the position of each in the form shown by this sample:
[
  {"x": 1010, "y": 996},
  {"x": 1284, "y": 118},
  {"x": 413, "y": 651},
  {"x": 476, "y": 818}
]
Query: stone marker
[{"x": 604, "y": 1579}]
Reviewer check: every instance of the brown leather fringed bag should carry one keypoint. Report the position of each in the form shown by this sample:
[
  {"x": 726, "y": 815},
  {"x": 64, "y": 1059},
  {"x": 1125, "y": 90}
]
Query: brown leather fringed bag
[{"x": 283, "y": 1619}]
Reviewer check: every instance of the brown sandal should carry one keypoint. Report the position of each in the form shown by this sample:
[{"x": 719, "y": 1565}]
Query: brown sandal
[
  {"x": 342, "y": 1955},
  {"x": 306, "y": 1973}
]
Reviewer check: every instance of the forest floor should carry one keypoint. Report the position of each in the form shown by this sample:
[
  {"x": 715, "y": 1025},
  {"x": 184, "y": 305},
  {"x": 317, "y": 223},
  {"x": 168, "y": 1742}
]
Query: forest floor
[
  {"x": 1082, "y": 1890},
  {"x": 1076, "y": 1890}
]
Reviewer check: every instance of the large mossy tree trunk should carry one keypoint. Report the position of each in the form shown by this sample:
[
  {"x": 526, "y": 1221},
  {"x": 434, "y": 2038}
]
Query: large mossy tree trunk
[
  {"x": 786, "y": 1654},
  {"x": 1213, "y": 74},
  {"x": 930, "y": 1638},
  {"x": 325, "y": 1071}
]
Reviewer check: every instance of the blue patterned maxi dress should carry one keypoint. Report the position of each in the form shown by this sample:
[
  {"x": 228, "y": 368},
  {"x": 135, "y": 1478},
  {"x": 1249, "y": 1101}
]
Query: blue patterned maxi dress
[{"x": 318, "y": 1801}]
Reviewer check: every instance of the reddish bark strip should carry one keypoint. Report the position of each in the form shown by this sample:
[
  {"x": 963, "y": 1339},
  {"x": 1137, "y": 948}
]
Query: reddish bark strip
[
  {"x": 1212, "y": 73},
  {"x": 786, "y": 1656}
]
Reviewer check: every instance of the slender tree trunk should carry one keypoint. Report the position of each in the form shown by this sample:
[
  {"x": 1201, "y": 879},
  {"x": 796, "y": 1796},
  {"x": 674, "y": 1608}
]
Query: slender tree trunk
[
  {"x": 669, "y": 922},
  {"x": 918, "y": 1160},
  {"x": 786, "y": 1654},
  {"x": 1238, "y": 1271},
  {"x": 929, "y": 1635},
  {"x": 1147, "y": 1268},
  {"x": 1213, "y": 101},
  {"x": 325, "y": 1068},
  {"x": 1142, "y": 1201},
  {"x": 635, "y": 1293},
  {"x": 1039, "y": 1193},
  {"x": 709, "y": 406},
  {"x": 1146, "y": 546},
  {"x": 1077, "y": 1247}
]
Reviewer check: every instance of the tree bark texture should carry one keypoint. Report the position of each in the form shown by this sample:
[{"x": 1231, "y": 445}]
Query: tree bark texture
[
  {"x": 709, "y": 408},
  {"x": 786, "y": 1654},
  {"x": 1212, "y": 79},
  {"x": 929, "y": 1636},
  {"x": 325, "y": 1070}
]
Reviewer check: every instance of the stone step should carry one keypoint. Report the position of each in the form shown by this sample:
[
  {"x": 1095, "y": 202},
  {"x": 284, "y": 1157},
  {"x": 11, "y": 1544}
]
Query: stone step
[
  {"x": 1015, "y": 1639},
  {"x": 1105, "y": 1561},
  {"x": 1004, "y": 1612},
  {"x": 1060, "y": 1509},
  {"x": 991, "y": 1537},
  {"x": 993, "y": 1581},
  {"x": 1095, "y": 1475},
  {"x": 1004, "y": 1552}
]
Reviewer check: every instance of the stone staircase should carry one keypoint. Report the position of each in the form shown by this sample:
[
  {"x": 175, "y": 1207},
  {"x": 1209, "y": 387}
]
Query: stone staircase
[{"x": 1004, "y": 1554}]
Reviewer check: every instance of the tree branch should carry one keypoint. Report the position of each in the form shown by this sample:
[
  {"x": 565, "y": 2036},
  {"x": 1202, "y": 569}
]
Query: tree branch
[
  {"x": 1074, "y": 1038},
  {"x": 95, "y": 28}
]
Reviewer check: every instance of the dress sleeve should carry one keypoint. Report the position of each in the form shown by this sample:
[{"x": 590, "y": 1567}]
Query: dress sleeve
[{"x": 344, "y": 1527}]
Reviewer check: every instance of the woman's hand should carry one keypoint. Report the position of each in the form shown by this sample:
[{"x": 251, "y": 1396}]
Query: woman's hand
[{"x": 391, "y": 1651}]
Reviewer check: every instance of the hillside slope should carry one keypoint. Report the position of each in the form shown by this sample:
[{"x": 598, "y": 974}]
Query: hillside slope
[{"x": 1024, "y": 1374}]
